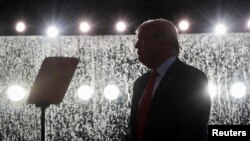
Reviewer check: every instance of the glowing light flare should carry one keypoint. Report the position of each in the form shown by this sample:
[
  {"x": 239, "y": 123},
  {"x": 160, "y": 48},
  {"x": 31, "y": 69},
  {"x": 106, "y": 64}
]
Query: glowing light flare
[
  {"x": 85, "y": 92},
  {"x": 121, "y": 26},
  {"x": 212, "y": 90},
  {"x": 16, "y": 93},
  {"x": 111, "y": 92},
  {"x": 184, "y": 25},
  {"x": 220, "y": 29},
  {"x": 238, "y": 90},
  {"x": 20, "y": 27},
  {"x": 84, "y": 27},
  {"x": 52, "y": 31},
  {"x": 248, "y": 24}
]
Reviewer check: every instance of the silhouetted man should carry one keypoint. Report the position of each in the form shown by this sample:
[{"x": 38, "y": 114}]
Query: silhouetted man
[{"x": 170, "y": 103}]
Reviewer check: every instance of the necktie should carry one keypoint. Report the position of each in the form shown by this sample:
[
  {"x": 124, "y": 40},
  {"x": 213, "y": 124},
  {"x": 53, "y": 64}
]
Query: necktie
[{"x": 144, "y": 106}]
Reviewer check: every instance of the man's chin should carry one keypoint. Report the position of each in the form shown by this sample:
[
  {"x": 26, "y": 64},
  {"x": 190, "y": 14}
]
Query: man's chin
[
  {"x": 141, "y": 59},
  {"x": 145, "y": 62}
]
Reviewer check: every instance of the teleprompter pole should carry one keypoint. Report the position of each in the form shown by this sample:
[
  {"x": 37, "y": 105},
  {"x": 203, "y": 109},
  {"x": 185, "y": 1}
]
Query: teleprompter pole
[
  {"x": 43, "y": 108},
  {"x": 43, "y": 123}
]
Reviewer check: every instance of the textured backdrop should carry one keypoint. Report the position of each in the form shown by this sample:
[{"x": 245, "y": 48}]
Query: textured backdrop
[{"x": 111, "y": 60}]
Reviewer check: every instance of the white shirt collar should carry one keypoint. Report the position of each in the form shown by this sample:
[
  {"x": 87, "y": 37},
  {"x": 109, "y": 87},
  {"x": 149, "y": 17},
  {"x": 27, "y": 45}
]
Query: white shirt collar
[{"x": 163, "y": 68}]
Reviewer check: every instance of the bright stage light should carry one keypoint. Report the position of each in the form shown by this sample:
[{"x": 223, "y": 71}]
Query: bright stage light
[
  {"x": 111, "y": 92},
  {"x": 120, "y": 26},
  {"x": 85, "y": 92},
  {"x": 20, "y": 27},
  {"x": 212, "y": 89},
  {"x": 16, "y": 93},
  {"x": 84, "y": 27},
  {"x": 220, "y": 29},
  {"x": 184, "y": 25},
  {"x": 238, "y": 90},
  {"x": 52, "y": 31},
  {"x": 248, "y": 24}
]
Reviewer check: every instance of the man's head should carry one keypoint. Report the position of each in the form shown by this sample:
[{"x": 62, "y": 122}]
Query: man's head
[{"x": 157, "y": 41}]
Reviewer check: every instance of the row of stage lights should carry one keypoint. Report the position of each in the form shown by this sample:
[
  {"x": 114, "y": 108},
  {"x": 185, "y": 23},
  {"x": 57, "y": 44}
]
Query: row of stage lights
[
  {"x": 121, "y": 26},
  {"x": 111, "y": 92}
]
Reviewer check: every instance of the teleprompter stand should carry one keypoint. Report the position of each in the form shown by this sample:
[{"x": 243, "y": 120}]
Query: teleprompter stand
[{"x": 51, "y": 84}]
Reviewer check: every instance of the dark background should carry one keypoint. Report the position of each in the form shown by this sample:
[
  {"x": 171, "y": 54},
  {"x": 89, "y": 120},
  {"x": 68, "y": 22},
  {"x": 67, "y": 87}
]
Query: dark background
[{"x": 103, "y": 14}]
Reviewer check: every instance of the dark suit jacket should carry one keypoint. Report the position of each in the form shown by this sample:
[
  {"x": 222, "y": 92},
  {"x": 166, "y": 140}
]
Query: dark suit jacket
[{"x": 180, "y": 107}]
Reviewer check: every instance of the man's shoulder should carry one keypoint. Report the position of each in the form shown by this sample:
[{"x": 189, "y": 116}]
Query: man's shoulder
[
  {"x": 194, "y": 69},
  {"x": 142, "y": 77},
  {"x": 191, "y": 70}
]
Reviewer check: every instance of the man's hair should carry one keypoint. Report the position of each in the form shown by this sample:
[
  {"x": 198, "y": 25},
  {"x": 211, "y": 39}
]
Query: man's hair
[{"x": 162, "y": 29}]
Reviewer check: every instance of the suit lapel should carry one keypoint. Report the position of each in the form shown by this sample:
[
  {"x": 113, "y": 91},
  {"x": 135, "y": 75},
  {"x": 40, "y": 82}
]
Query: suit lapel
[{"x": 140, "y": 88}]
